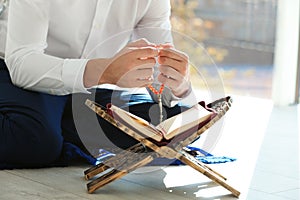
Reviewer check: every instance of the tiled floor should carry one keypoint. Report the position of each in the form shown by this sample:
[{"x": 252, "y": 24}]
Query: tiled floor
[
  {"x": 263, "y": 138},
  {"x": 277, "y": 169}
]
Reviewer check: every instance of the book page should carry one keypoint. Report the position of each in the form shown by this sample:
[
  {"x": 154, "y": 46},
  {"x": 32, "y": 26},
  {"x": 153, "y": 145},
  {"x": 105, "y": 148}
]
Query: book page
[
  {"x": 183, "y": 121},
  {"x": 136, "y": 123}
]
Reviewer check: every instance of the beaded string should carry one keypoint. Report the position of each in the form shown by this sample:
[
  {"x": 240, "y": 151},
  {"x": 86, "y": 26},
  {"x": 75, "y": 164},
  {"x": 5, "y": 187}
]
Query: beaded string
[{"x": 158, "y": 93}]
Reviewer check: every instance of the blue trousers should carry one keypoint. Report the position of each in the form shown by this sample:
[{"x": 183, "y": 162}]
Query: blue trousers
[{"x": 34, "y": 126}]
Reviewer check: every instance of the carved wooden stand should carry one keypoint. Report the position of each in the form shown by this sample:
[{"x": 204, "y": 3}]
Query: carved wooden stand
[{"x": 126, "y": 161}]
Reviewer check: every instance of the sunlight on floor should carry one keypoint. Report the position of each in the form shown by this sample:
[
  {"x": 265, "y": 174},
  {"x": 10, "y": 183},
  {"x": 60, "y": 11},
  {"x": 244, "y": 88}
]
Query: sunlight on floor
[
  {"x": 242, "y": 133},
  {"x": 244, "y": 130},
  {"x": 190, "y": 178},
  {"x": 212, "y": 193}
]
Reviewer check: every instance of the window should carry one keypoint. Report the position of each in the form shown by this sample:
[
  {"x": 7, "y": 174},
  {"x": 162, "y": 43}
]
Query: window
[{"x": 238, "y": 35}]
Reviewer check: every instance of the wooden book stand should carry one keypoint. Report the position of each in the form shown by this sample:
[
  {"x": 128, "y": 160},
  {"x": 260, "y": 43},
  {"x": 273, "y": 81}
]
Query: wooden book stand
[{"x": 124, "y": 162}]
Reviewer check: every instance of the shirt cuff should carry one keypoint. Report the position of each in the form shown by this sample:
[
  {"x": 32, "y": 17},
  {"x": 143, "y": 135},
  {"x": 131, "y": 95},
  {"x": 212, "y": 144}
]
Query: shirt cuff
[
  {"x": 72, "y": 75},
  {"x": 175, "y": 99}
]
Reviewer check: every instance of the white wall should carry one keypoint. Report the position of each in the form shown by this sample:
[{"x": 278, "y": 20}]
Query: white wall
[{"x": 286, "y": 52}]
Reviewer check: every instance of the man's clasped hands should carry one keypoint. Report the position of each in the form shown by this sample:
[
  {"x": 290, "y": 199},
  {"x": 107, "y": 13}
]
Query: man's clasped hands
[{"x": 133, "y": 66}]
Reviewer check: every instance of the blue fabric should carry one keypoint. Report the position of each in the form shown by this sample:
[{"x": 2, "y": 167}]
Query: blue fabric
[
  {"x": 207, "y": 158},
  {"x": 215, "y": 159},
  {"x": 72, "y": 152}
]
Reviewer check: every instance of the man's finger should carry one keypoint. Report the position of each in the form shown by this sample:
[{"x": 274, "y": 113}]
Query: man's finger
[
  {"x": 169, "y": 82},
  {"x": 144, "y": 52},
  {"x": 176, "y": 67},
  {"x": 174, "y": 54}
]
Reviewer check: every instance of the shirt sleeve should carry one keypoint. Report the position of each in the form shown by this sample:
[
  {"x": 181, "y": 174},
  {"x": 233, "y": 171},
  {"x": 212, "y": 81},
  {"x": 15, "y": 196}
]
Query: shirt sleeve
[
  {"x": 29, "y": 66},
  {"x": 155, "y": 24}
]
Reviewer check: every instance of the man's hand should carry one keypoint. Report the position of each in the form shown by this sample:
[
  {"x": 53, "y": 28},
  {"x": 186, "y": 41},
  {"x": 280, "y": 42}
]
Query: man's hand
[
  {"x": 174, "y": 70},
  {"x": 133, "y": 66}
]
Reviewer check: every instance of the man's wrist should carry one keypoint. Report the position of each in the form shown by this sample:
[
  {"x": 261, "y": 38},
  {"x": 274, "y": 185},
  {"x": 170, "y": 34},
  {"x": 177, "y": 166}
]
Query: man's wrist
[
  {"x": 94, "y": 72},
  {"x": 182, "y": 92}
]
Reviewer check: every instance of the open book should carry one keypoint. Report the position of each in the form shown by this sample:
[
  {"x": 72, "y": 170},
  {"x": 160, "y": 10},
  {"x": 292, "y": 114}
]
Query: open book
[
  {"x": 200, "y": 117},
  {"x": 187, "y": 122}
]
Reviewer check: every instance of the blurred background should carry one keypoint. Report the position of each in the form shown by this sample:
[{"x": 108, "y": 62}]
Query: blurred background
[{"x": 239, "y": 37}]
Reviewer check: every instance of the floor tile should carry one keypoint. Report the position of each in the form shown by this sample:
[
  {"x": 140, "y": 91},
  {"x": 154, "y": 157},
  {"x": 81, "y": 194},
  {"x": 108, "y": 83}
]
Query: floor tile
[
  {"x": 291, "y": 194},
  {"x": 16, "y": 187},
  {"x": 258, "y": 195},
  {"x": 272, "y": 183}
]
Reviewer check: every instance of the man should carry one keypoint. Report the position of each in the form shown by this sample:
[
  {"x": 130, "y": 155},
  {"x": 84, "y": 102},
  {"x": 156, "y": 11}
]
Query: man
[{"x": 103, "y": 50}]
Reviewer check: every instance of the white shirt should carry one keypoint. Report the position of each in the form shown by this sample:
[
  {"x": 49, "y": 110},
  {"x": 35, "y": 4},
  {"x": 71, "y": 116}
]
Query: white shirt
[
  {"x": 3, "y": 24},
  {"x": 50, "y": 41}
]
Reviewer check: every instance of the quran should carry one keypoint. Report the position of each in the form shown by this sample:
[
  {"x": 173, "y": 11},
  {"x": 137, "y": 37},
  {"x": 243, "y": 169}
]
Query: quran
[
  {"x": 135, "y": 157},
  {"x": 186, "y": 122}
]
